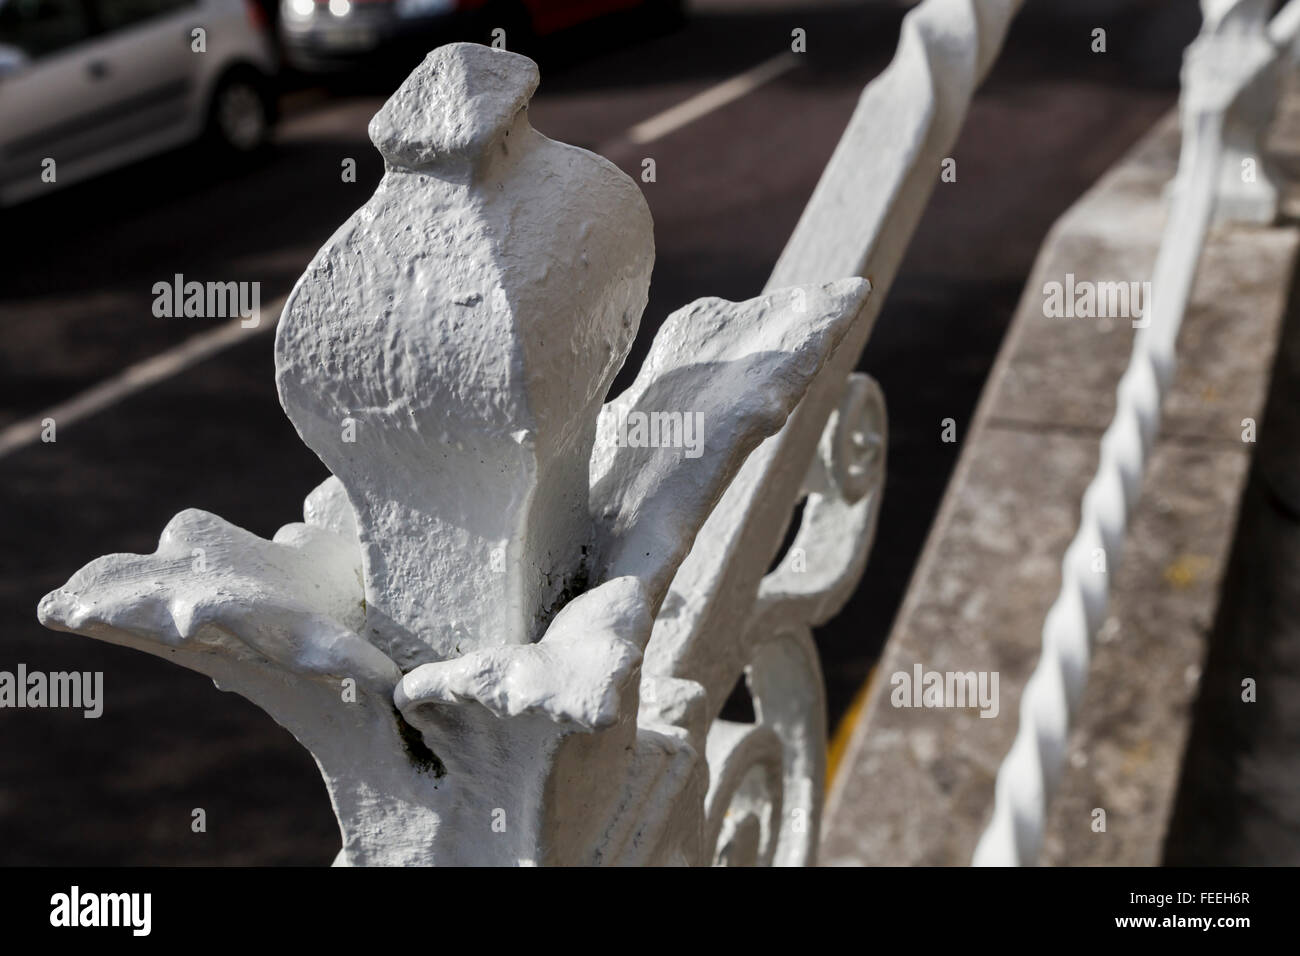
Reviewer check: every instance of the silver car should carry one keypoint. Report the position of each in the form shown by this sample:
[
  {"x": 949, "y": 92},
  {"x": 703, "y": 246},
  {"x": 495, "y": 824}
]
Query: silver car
[{"x": 90, "y": 85}]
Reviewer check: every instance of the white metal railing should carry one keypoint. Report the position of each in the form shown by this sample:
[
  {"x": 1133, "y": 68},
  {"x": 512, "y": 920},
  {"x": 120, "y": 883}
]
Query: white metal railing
[
  {"x": 506, "y": 628},
  {"x": 1230, "y": 83}
]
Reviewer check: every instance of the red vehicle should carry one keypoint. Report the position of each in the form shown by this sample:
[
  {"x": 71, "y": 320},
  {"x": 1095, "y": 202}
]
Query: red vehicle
[{"x": 333, "y": 34}]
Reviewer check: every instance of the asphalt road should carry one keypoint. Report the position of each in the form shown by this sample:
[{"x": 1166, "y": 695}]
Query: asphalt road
[{"x": 75, "y": 308}]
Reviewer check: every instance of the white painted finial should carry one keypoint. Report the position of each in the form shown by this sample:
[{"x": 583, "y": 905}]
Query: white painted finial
[
  {"x": 447, "y": 351},
  {"x": 457, "y": 632}
]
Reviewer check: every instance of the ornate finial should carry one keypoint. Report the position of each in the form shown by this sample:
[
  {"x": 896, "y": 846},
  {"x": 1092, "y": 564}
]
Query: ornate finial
[
  {"x": 455, "y": 106},
  {"x": 457, "y": 631},
  {"x": 463, "y": 330}
]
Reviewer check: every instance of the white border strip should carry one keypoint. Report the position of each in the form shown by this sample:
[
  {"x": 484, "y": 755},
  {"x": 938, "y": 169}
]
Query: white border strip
[{"x": 716, "y": 97}]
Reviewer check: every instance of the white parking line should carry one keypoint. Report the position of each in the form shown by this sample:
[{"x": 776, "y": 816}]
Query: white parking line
[
  {"x": 139, "y": 376},
  {"x": 164, "y": 365},
  {"x": 688, "y": 111}
]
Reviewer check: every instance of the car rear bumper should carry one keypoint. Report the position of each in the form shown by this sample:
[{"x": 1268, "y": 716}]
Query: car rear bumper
[{"x": 322, "y": 45}]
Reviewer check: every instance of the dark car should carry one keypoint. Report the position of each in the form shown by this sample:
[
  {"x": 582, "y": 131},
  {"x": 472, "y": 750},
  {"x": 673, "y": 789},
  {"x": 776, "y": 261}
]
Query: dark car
[{"x": 321, "y": 35}]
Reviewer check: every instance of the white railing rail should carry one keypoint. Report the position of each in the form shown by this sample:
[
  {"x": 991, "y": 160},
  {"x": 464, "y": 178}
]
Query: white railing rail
[
  {"x": 729, "y": 619},
  {"x": 1230, "y": 86},
  {"x": 508, "y": 622}
]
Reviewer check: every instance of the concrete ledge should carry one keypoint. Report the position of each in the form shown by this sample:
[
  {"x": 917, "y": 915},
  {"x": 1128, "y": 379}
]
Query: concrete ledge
[{"x": 916, "y": 785}]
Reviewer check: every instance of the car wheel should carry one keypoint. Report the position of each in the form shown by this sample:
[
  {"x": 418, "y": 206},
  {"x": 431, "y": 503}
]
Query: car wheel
[{"x": 240, "y": 115}]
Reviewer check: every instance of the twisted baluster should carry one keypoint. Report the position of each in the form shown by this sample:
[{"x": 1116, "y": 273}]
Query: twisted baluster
[{"x": 1219, "y": 64}]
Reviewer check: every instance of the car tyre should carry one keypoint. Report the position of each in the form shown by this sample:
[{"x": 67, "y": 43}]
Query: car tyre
[{"x": 241, "y": 114}]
